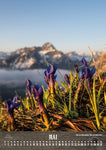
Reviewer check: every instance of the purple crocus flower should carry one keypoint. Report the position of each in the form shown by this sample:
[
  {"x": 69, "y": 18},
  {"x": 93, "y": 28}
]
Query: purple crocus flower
[
  {"x": 15, "y": 99},
  {"x": 50, "y": 76},
  {"x": 67, "y": 79},
  {"x": 10, "y": 106},
  {"x": 83, "y": 60},
  {"x": 46, "y": 80},
  {"x": 51, "y": 69},
  {"x": 28, "y": 86},
  {"x": 38, "y": 94},
  {"x": 76, "y": 68},
  {"x": 86, "y": 72}
]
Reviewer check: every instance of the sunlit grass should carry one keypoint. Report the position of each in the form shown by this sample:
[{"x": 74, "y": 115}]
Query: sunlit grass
[{"x": 67, "y": 108}]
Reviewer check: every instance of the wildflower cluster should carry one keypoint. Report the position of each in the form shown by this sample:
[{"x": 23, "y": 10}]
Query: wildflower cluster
[
  {"x": 56, "y": 107},
  {"x": 86, "y": 73},
  {"x": 50, "y": 77}
]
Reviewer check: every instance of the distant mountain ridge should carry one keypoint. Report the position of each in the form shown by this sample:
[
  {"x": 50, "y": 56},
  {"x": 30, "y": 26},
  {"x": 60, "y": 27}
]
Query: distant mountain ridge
[{"x": 37, "y": 57}]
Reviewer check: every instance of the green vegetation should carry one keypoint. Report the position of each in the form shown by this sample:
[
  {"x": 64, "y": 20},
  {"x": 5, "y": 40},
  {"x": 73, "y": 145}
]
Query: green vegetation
[{"x": 72, "y": 107}]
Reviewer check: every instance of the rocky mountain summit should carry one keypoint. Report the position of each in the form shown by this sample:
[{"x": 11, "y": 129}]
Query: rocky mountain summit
[{"x": 37, "y": 57}]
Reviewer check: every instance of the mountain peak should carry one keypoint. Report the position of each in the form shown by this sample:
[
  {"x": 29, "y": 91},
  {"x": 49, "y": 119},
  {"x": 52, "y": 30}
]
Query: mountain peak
[
  {"x": 48, "y": 45},
  {"x": 36, "y": 57}
]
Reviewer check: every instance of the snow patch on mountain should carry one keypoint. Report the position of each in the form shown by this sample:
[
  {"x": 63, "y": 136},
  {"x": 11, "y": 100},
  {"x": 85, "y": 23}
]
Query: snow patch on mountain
[
  {"x": 43, "y": 52},
  {"x": 74, "y": 56},
  {"x": 26, "y": 64},
  {"x": 57, "y": 55}
]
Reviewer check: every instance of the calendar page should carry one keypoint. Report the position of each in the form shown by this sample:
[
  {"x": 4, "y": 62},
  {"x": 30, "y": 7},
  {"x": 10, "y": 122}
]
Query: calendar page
[{"x": 52, "y": 74}]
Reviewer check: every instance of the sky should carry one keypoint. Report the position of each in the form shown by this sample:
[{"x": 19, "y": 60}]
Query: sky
[{"x": 70, "y": 25}]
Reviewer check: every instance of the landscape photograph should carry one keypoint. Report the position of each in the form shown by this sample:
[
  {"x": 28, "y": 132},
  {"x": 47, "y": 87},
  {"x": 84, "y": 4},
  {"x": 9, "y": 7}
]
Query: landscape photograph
[{"x": 53, "y": 65}]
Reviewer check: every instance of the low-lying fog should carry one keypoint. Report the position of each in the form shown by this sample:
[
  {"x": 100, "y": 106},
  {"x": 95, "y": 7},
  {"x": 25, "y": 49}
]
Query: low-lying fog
[
  {"x": 17, "y": 78},
  {"x": 11, "y": 80}
]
